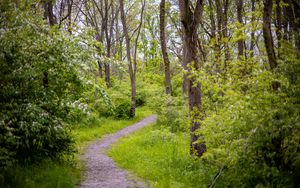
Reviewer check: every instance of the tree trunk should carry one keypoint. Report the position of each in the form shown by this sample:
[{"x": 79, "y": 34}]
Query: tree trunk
[
  {"x": 252, "y": 42},
  {"x": 128, "y": 53},
  {"x": 219, "y": 35},
  {"x": 184, "y": 65},
  {"x": 225, "y": 34},
  {"x": 164, "y": 47},
  {"x": 108, "y": 43},
  {"x": 100, "y": 71},
  {"x": 296, "y": 24},
  {"x": 49, "y": 16},
  {"x": 107, "y": 75},
  {"x": 267, "y": 33},
  {"x": 239, "y": 8},
  {"x": 279, "y": 26},
  {"x": 191, "y": 20}
]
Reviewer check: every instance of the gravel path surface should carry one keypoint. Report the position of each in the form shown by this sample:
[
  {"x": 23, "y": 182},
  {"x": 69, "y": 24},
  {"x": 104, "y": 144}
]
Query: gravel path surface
[{"x": 101, "y": 171}]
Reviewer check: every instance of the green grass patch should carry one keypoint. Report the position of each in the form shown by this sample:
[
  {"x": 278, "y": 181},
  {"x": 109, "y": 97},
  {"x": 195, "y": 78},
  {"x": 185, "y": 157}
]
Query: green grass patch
[
  {"x": 47, "y": 174},
  {"x": 103, "y": 126},
  {"x": 160, "y": 157}
]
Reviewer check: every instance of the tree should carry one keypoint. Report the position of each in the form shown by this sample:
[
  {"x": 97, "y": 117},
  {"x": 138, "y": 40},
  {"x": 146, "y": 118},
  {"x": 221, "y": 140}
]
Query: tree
[
  {"x": 132, "y": 63},
  {"x": 239, "y": 8},
  {"x": 190, "y": 20},
  {"x": 267, "y": 33},
  {"x": 162, "y": 25}
]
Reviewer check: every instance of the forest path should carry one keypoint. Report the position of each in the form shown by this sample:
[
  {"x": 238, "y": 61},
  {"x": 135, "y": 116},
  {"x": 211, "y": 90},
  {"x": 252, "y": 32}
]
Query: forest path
[{"x": 101, "y": 171}]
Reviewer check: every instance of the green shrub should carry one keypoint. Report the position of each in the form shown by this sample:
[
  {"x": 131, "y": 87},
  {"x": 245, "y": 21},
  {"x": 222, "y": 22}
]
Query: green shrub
[
  {"x": 256, "y": 135},
  {"x": 42, "y": 87},
  {"x": 141, "y": 99},
  {"x": 172, "y": 113},
  {"x": 123, "y": 111}
]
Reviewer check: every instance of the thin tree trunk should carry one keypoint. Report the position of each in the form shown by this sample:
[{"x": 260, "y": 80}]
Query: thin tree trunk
[
  {"x": 239, "y": 7},
  {"x": 279, "y": 26},
  {"x": 184, "y": 65},
  {"x": 48, "y": 15},
  {"x": 296, "y": 25},
  {"x": 108, "y": 43},
  {"x": 267, "y": 33},
  {"x": 252, "y": 42},
  {"x": 285, "y": 23},
  {"x": 100, "y": 71},
  {"x": 132, "y": 63},
  {"x": 164, "y": 47},
  {"x": 225, "y": 34},
  {"x": 219, "y": 35}
]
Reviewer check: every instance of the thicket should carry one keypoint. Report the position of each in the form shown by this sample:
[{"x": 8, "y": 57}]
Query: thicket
[
  {"x": 42, "y": 85},
  {"x": 252, "y": 127}
]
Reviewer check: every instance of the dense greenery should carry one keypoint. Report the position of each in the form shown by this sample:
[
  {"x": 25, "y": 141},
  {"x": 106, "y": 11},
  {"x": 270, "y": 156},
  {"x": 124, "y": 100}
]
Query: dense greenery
[
  {"x": 41, "y": 87},
  {"x": 67, "y": 78},
  {"x": 254, "y": 137}
]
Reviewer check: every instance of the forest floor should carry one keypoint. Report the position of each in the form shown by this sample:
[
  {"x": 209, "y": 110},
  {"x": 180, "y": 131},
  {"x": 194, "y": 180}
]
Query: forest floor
[{"x": 100, "y": 170}]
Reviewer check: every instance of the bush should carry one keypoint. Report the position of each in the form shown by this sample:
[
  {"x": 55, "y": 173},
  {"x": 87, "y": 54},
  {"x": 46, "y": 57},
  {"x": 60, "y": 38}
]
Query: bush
[
  {"x": 123, "y": 111},
  {"x": 255, "y": 137},
  {"x": 41, "y": 87},
  {"x": 172, "y": 113},
  {"x": 141, "y": 99}
]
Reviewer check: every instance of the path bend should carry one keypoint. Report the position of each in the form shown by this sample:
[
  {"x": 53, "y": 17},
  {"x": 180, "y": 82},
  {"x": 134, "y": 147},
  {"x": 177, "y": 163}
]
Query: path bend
[{"x": 101, "y": 171}]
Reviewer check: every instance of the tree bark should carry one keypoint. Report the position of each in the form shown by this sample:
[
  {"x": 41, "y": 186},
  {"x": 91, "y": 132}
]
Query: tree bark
[
  {"x": 100, "y": 71},
  {"x": 190, "y": 21},
  {"x": 225, "y": 34},
  {"x": 184, "y": 66},
  {"x": 267, "y": 33},
  {"x": 50, "y": 17},
  {"x": 239, "y": 8},
  {"x": 279, "y": 26},
  {"x": 252, "y": 42},
  {"x": 108, "y": 43},
  {"x": 164, "y": 47}
]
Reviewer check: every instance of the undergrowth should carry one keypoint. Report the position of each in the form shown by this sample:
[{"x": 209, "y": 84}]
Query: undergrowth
[
  {"x": 162, "y": 158},
  {"x": 47, "y": 174}
]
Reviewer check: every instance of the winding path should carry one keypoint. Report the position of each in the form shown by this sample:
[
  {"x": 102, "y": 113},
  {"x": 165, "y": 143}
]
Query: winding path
[{"x": 101, "y": 171}]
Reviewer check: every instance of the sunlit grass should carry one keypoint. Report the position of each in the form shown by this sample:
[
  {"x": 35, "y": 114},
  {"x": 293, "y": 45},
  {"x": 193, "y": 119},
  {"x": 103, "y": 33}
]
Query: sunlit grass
[{"x": 160, "y": 157}]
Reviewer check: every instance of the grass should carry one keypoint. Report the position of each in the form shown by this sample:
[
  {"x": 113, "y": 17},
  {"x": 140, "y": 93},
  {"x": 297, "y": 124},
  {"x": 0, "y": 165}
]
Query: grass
[
  {"x": 51, "y": 174},
  {"x": 103, "y": 126},
  {"x": 160, "y": 157},
  {"x": 47, "y": 174}
]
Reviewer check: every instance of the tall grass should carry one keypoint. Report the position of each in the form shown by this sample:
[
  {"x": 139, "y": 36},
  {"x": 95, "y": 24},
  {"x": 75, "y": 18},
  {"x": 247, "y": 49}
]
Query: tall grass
[
  {"x": 162, "y": 158},
  {"x": 47, "y": 174}
]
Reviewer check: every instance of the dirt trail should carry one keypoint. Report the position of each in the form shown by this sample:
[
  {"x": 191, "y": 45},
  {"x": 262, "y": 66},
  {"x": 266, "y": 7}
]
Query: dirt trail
[{"x": 101, "y": 171}]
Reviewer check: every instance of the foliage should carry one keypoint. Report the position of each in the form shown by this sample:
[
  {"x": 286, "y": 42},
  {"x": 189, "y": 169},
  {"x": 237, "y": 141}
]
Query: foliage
[
  {"x": 41, "y": 87},
  {"x": 123, "y": 111},
  {"x": 141, "y": 98},
  {"x": 254, "y": 137},
  {"x": 103, "y": 104},
  {"x": 172, "y": 113}
]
